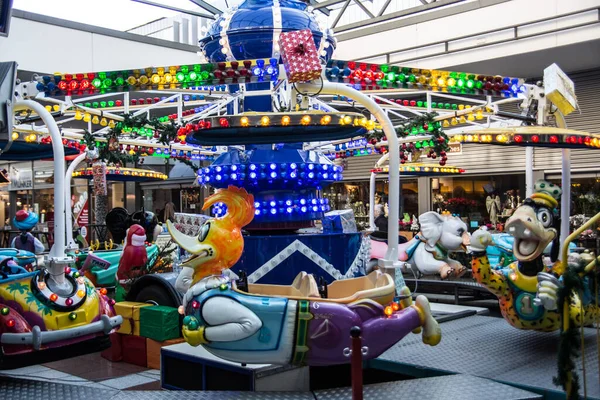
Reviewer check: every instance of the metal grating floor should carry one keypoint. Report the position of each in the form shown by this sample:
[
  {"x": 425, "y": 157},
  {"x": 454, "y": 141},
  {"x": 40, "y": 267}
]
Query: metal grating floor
[
  {"x": 448, "y": 387},
  {"x": 490, "y": 348},
  {"x": 463, "y": 387}
]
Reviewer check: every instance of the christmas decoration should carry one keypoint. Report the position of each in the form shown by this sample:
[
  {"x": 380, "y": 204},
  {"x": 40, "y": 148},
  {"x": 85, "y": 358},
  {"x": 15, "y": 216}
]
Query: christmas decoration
[
  {"x": 300, "y": 56},
  {"x": 424, "y": 124}
]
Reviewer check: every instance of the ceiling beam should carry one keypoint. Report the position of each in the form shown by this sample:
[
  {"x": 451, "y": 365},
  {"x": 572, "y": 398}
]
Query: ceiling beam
[
  {"x": 204, "y": 5},
  {"x": 177, "y": 9}
]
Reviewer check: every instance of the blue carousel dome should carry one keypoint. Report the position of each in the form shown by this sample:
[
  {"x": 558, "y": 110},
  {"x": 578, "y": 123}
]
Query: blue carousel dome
[{"x": 251, "y": 30}]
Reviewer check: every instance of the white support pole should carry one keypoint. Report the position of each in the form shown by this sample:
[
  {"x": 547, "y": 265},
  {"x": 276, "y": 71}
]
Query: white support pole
[
  {"x": 528, "y": 171},
  {"x": 56, "y": 258},
  {"x": 68, "y": 211},
  {"x": 372, "y": 202},
  {"x": 565, "y": 199},
  {"x": 391, "y": 257}
]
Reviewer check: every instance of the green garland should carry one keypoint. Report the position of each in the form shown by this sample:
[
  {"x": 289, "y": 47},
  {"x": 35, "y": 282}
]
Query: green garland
[
  {"x": 164, "y": 131},
  {"x": 104, "y": 154},
  {"x": 568, "y": 347},
  {"x": 424, "y": 124}
]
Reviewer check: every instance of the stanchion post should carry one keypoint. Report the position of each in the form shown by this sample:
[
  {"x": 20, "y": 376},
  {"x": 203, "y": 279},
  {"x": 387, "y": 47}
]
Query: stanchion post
[{"x": 356, "y": 364}]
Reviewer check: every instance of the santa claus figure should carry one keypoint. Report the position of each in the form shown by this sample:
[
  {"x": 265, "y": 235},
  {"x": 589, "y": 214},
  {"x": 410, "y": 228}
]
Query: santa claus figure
[{"x": 134, "y": 256}]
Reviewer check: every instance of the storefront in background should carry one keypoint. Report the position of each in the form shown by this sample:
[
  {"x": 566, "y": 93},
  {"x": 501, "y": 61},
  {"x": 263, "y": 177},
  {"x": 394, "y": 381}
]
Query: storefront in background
[{"x": 355, "y": 195}]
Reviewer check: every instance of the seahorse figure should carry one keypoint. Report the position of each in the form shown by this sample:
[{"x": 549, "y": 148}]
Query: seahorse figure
[{"x": 528, "y": 299}]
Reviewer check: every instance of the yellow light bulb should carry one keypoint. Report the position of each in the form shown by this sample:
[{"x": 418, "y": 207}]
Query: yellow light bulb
[
  {"x": 56, "y": 107},
  {"x": 347, "y": 120},
  {"x": 81, "y": 293},
  {"x": 451, "y": 82},
  {"x": 78, "y": 115},
  {"x": 471, "y": 117},
  {"x": 244, "y": 121},
  {"x": 445, "y": 124},
  {"x": 31, "y": 138},
  {"x": 48, "y": 108},
  {"x": 131, "y": 81},
  {"x": 265, "y": 121},
  {"x": 363, "y": 121},
  {"x": 15, "y": 135},
  {"x": 370, "y": 125},
  {"x": 160, "y": 71},
  {"x": 103, "y": 122},
  {"x": 454, "y": 121},
  {"x": 422, "y": 79},
  {"x": 144, "y": 80},
  {"x": 479, "y": 114},
  {"x": 459, "y": 138},
  {"x": 95, "y": 120},
  {"x": 168, "y": 78},
  {"x": 87, "y": 117},
  {"x": 285, "y": 120},
  {"x": 305, "y": 120},
  {"x": 469, "y": 138},
  {"x": 155, "y": 79},
  {"x": 461, "y": 106},
  {"x": 441, "y": 82},
  {"x": 111, "y": 124},
  {"x": 325, "y": 120},
  {"x": 462, "y": 119}
]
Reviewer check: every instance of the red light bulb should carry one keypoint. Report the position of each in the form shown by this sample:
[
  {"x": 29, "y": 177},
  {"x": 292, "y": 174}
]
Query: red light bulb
[
  {"x": 69, "y": 302},
  {"x": 518, "y": 138},
  {"x": 223, "y": 122},
  {"x": 554, "y": 139},
  {"x": 535, "y": 138},
  {"x": 118, "y": 103},
  {"x": 10, "y": 323}
]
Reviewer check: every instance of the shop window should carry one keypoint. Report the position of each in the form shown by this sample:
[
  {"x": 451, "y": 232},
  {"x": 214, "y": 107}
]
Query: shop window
[
  {"x": 481, "y": 200},
  {"x": 355, "y": 196}
]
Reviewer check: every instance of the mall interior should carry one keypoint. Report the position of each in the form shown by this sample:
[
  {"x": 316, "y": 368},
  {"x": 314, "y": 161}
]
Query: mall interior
[{"x": 385, "y": 198}]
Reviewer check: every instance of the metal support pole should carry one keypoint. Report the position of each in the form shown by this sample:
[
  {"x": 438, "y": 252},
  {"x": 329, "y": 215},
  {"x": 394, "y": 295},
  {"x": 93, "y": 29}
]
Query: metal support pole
[
  {"x": 356, "y": 364},
  {"x": 391, "y": 256},
  {"x": 565, "y": 200},
  {"x": 372, "y": 202},
  {"x": 56, "y": 258},
  {"x": 68, "y": 212},
  {"x": 528, "y": 171}
]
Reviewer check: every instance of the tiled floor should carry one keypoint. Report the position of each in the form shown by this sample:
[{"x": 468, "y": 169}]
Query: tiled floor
[{"x": 94, "y": 371}]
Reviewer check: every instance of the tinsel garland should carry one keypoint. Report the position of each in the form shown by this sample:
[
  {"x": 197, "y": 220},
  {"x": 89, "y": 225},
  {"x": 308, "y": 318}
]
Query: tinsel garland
[
  {"x": 424, "y": 124},
  {"x": 568, "y": 347}
]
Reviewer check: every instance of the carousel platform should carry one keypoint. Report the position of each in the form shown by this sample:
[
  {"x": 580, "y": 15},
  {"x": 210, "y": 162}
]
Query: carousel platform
[
  {"x": 489, "y": 348},
  {"x": 462, "y": 387}
]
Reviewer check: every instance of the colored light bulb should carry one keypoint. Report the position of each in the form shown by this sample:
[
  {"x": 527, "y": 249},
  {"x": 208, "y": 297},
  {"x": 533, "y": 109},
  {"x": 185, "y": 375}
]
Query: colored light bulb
[
  {"x": 244, "y": 121},
  {"x": 305, "y": 120},
  {"x": 265, "y": 121}
]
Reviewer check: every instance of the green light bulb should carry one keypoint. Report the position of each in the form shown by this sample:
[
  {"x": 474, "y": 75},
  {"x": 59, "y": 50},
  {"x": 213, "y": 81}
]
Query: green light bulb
[
  {"x": 107, "y": 83},
  {"x": 185, "y": 69},
  {"x": 391, "y": 76},
  {"x": 384, "y": 68},
  {"x": 102, "y": 104},
  {"x": 119, "y": 81},
  {"x": 193, "y": 76},
  {"x": 460, "y": 83},
  {"x": 111, "y": 103},
  {"x": 97, "y": 82},
  {"x": 180, "y": 76},
  {"x": 470, "y": 83}
]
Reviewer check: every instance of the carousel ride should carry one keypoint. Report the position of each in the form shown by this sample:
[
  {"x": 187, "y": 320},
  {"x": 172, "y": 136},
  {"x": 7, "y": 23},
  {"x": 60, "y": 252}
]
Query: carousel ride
[{"x": 238, "y": 110}]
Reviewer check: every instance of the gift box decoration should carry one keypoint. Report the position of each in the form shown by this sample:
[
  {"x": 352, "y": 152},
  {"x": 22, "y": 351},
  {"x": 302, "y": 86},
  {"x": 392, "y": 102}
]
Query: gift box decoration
[
  {"x": 130, "y": 311},
  {"x": 153, "y": 351},
  {"x": 300, "y": 56},
  {"x": 159, "y": 323},
  {"x": 134, "y": 350},
  {"x": 114, "y": 352},
  {"x": 339, "y": 221}
]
